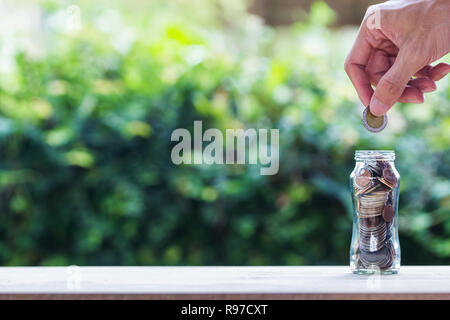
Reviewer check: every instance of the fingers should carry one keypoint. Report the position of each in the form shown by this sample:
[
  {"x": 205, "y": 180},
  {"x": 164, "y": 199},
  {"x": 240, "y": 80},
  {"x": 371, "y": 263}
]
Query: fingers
[
  {"x": 361, "y": 82},
  {"x": 380, "y": 62},
  {"x": 355, "y": 66},
  {"x": 378, "y": 65},
  {"x": 423, "y": 84},
  {"x": 435, "y": 73},
  {"x": 411, "y": 94},
  {"x": 424, "y": 72},
  {"x": 439, "y": 71},
  {"x": 392, "y": 85}
]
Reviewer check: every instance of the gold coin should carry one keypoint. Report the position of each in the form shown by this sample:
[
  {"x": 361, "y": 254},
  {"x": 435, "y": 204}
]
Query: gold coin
[{"x": 373, "y": 123}]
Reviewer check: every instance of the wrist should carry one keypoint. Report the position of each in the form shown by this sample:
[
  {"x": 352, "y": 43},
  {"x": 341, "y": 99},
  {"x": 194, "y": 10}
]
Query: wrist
[{"x": 439, "y": 15}]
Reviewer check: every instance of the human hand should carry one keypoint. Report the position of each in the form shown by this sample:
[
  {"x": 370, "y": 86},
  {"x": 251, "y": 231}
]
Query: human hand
[{"x": 395, "y": 45}]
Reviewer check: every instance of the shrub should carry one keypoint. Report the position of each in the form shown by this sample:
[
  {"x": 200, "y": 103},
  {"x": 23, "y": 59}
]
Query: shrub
[{"x": 86, "y": 176}]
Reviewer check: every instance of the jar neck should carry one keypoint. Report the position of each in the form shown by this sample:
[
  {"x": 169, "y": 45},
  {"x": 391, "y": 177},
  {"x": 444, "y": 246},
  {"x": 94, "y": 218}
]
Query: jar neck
[{"x": 374, "y": 155}]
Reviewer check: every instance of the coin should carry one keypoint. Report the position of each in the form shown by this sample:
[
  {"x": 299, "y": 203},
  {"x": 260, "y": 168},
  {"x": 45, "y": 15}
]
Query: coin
[
  {"x": 389, "y": 176},
  {"x": 390, "y": 258},
  {"x": 389, "y": 232},
  {"x": 386, "y": 183},
  {"x": 388, "y": 213},
  {"x": 364, "y": 190},
  {"x": 370, "y": 188},
  {"x": 370, "y": 222},
  {"x": 374, "y": 245},
  {"x": 373, "y": 123},
  {"x": 379, "y": 258},
  {"x": 363, "y": 178}
]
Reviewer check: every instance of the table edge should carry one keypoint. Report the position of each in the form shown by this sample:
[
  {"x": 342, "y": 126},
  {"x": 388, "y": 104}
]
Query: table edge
[{"x": 225, "y": 296}]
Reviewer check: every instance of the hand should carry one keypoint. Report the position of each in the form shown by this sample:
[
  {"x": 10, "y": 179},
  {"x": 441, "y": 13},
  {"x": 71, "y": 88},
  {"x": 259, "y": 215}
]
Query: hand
[{"x": 397, "y": 41}]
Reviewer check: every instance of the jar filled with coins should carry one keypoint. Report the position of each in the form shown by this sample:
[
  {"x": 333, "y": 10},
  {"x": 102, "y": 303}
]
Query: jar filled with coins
[{"x": 374, "y": 184}]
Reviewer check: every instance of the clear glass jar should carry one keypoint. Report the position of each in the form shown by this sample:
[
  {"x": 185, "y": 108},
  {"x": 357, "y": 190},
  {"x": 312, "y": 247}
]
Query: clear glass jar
[{"x": 374, "y": 184}]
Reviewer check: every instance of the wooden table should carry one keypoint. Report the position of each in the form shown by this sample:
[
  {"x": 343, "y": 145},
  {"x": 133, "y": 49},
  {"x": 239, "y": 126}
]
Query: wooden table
[{"x": 332, "y": 282}]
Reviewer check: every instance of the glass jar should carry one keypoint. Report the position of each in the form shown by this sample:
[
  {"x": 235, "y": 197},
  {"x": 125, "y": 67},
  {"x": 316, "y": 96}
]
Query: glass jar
[{"x": 374, "y": 184}]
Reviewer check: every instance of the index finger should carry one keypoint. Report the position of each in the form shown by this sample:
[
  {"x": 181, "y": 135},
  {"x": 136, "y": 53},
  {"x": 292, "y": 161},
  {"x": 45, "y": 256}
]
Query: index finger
[{"x": 355, "y": 66}]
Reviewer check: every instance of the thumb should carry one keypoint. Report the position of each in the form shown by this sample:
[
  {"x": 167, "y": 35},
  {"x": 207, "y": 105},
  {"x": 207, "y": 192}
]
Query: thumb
[{"x": 392, "y": 84}]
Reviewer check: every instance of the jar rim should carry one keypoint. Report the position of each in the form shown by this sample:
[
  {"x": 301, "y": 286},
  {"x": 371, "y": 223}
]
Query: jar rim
[{"x": 383, "y": 155}]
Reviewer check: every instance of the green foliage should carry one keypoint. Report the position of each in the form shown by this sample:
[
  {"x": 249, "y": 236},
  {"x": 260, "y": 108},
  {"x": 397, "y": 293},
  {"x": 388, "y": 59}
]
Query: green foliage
[{"x": 85, "y": 172}]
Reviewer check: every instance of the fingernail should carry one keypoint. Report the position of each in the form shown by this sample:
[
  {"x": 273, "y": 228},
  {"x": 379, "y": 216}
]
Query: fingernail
[{"x": 377, "y": 107}]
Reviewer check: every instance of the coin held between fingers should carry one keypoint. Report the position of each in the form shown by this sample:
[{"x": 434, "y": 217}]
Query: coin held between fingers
[{"x": 373, "y": 123}]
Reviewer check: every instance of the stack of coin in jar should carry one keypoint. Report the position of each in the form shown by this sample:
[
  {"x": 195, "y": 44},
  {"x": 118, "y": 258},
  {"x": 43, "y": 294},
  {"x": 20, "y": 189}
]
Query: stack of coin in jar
[{"x": 374, "y": 185}]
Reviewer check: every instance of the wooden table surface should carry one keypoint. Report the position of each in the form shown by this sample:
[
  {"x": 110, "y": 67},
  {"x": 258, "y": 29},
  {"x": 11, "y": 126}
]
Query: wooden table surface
[{"x": 311, "y": 282}]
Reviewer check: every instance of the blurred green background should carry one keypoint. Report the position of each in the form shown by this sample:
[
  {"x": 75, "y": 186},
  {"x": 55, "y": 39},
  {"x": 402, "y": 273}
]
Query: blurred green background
[{"x": 86, "y": 117}]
